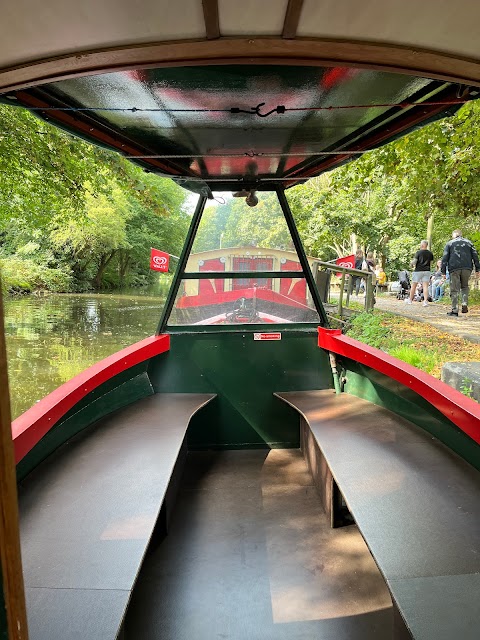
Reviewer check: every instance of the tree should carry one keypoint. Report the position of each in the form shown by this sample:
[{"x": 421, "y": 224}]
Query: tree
[
  {"x": 426, "y": 183},
  {"x": 90, "y": 243},
  {"x": 69, "y": 211}
]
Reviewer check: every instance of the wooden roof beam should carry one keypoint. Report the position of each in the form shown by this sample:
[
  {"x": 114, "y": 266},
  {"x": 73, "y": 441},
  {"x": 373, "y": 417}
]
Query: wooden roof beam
[
  {"x": 292, "y": 18},
  {"x": 210, "y": 15},
  {"x": 267, "y": 51}
]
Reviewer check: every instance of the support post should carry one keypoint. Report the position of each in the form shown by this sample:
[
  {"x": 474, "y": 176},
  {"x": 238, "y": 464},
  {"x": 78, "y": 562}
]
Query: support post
[
  {"x": 369, "y": 292},
  {"x": 11, "y": 562},
  {"x": 297, "y": 243},
  {"x": 349, "y": 289},
  {"x": 192, "y": 232},
  {"x": 340, "y": 297}
]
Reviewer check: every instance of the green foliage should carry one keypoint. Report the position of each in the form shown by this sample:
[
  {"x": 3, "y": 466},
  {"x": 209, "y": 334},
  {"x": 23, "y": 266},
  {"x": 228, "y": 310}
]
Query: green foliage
[
  {"x": 235, "y": 224},
  {"x": 381, "y": 202},
  {"x": 411, "y": 341},
  {"x": 474, "y": 296},
  {"x": 368, "y": 328},
  {"x": 422, "y": 359},
  {"x": 74, "y": 216},
  {"x": 25, "y": 275},
  {"x": 467, "y": 387}
]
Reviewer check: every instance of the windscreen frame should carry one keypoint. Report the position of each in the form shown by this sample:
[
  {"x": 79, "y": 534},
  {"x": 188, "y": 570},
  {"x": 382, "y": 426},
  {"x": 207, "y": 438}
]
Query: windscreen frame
[{"x": 181, "y": 274}]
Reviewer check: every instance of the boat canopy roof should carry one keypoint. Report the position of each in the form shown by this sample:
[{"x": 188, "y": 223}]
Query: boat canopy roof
[{"x": 226, "y": 95}]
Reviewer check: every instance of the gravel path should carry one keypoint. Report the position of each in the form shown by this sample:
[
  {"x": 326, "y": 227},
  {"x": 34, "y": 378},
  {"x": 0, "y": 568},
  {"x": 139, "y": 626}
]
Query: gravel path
[{"x": 466, "y": 326}]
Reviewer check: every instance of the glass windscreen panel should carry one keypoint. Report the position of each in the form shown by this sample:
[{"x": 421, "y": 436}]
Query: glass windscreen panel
[
  {"x": 243, "y": 301},
  {"x": 233, "y": 236}
]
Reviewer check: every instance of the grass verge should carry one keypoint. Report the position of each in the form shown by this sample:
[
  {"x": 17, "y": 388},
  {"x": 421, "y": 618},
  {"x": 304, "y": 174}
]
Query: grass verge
[{"x": 417, "y": 343}]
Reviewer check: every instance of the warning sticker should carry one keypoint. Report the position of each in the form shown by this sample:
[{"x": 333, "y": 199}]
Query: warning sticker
[{"x": 267, "y": 336}]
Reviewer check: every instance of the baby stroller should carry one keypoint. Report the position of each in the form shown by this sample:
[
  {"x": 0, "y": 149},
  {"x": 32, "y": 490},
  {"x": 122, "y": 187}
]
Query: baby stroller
[{"x": 405, "y": 285}]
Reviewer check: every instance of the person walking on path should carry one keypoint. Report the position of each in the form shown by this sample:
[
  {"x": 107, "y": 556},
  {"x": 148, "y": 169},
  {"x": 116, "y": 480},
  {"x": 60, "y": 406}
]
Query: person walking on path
[
  {"x": 459, "y": 257},
  {"x": 421, "y": 273},
  {"x": 355, "y": 281}
]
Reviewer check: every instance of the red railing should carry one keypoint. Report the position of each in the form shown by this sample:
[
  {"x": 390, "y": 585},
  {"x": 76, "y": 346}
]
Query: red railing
[
  {"x": 461, "y": 410},
  {"x": 29, "y": 428}
]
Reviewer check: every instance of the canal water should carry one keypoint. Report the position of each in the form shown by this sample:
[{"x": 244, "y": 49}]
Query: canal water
[{"x": 52, "y": 338}]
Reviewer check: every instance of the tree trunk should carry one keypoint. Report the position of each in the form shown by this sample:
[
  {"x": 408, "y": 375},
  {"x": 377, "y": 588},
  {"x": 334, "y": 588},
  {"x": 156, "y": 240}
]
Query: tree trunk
[
  {"x": 353, "y": 238},
  {"x": 104, "y": 262},
  {"x": 123, "y": 264},
  {"x": 430, "y": 229}
]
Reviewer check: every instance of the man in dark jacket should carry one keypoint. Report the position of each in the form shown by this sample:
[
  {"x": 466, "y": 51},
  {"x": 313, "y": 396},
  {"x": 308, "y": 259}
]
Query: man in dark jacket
[{"x": 459, "y": 257}]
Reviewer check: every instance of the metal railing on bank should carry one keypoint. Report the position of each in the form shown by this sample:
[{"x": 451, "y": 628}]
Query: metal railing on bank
[{"x": 324, "y": 272}]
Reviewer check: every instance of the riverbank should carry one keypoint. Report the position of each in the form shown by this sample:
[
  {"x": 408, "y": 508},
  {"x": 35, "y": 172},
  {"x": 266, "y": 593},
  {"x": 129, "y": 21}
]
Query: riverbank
[{"x": 417, "y": 342}]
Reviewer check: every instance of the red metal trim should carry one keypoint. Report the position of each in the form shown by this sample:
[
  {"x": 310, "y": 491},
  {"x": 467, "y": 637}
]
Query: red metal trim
[
  {"x": 461, "y": 410},
  {"x": 29, "y": 428}
]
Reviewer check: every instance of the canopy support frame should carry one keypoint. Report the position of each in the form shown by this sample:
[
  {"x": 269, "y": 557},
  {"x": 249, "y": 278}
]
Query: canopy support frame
[
  {"x": 182, "y": 263},
  {"x": 297, "y": 242},
  {"x": 10, "y": 553}
]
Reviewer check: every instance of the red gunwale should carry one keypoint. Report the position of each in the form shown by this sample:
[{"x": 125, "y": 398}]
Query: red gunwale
[
  {"x": 461, "y": 410},
  {"x": 29, "y": 428}
]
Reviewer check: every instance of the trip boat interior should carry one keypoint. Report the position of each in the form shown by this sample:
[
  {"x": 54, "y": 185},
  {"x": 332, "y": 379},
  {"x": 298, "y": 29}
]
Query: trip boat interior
[{"x": 246, "y": 472}]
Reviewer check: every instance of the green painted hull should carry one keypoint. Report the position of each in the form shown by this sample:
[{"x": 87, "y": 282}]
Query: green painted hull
[{"x": 244, "y": 374}]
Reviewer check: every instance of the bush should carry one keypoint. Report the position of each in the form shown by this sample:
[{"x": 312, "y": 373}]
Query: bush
[
  {"x": 367, "y": 327},
  {"x": 474, "y": 296},
  {"x": 24, "y": 276}
]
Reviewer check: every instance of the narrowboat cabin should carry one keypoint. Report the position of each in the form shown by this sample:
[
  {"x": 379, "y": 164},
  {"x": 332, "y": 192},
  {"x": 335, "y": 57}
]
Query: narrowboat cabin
[{"x": 247, "y": 471}]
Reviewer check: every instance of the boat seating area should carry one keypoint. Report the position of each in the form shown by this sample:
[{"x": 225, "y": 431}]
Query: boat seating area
[
  {"x": 250, "y": 555},
  {"x": 90, "y": 510},
  {"x": 416, "y": 504}
]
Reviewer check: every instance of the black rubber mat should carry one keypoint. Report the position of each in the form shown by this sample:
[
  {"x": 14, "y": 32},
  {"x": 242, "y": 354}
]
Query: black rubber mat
[{"x": 250, "y": 555}]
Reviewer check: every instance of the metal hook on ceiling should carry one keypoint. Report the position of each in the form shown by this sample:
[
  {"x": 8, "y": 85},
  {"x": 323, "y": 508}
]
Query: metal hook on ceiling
[{"x": 256, "y": 110}]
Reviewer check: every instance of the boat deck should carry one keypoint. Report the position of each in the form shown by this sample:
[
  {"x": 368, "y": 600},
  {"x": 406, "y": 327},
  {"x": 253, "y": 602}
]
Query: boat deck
[
  {"x": 250, "y": 554},
  {"x": 89, "y": 511}
]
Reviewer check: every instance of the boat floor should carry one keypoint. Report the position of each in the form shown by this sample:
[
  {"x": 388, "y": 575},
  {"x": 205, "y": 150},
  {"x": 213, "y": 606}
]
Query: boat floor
[{"x": 250, "y": 554}]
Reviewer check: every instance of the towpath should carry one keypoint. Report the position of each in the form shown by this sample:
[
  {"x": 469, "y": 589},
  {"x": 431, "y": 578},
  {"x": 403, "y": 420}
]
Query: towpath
[{"x": 466, "y": 326}]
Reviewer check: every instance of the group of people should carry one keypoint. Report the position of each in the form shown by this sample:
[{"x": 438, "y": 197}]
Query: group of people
[
  {"x": 436, "y": 288},
  {"x": 363, "y": 264},
  {"x": 459, "y": 258}
]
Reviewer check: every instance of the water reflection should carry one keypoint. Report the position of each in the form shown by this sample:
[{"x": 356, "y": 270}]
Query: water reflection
[{"x": 51, "y": 339}]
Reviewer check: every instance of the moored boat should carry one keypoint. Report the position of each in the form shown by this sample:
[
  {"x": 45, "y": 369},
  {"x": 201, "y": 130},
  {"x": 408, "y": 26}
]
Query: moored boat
[{"x": 245, "y": 300}]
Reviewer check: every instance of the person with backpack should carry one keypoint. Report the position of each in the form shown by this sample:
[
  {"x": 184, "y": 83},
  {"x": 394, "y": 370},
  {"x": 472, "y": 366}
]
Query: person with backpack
[{"x": 459, "y": 257}]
